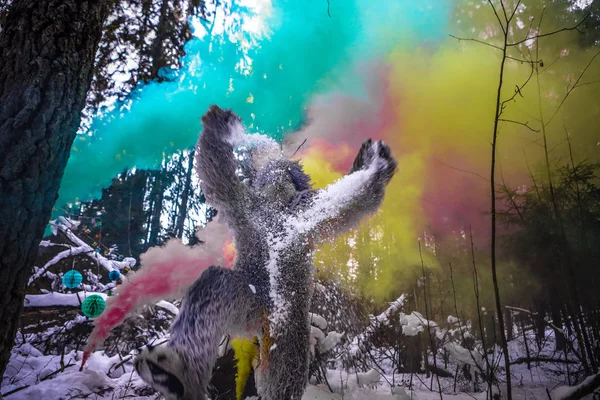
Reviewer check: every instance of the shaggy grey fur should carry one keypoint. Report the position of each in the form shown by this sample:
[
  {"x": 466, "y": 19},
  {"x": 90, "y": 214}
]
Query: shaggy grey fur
[
  {"x": 220, "y": 302},
  {"x": 276, "y": 220}
]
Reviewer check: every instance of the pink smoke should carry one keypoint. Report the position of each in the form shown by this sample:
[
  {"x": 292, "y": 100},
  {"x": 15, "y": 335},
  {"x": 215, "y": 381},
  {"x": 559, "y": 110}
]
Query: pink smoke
[
  {"x": 456, "y": 197},
  {"x": 162, "y": 280},
  {"x": 167, "y": 271},
  {"x": 340, "y": 122}
]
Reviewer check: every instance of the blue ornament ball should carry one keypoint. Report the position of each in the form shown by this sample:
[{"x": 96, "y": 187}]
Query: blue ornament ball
[
  {"x": 93, "y": 306},
  {"x": 114, "y": 275},
  {"x": 72, "y": 279}
]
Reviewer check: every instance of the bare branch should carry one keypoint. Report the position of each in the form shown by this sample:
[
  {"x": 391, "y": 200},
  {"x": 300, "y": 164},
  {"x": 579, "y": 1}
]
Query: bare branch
[
  {"x": 503, "y": 12},
  {"x": 525, "y": 124},
  {"x": 514, "y": 11},
  {"x": 523, "y": 360},
  {"x": 301, "y": 144},
  {"x": 522, "y": 60},
  {"x": 575, "y": 85},
  {"x": 547, "y": 67},
  {"x": 518, "y": 89},
  {"x": 497, "y": 16},
  {"x": 476, "y": 40},
  {"x": 462, "y": 170},
  {"x": 573, "y": 28},
  {"x": 587, "y": 83}
]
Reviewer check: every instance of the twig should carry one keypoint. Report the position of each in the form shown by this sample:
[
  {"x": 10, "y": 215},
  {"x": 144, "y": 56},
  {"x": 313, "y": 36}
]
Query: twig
[
  {"x": 433, "y": 348},
  {"x": 575, "y": 85},
  {"x": 43, "y": 379},
  {"x": 477, "y": 41},
  {"x": 550, "y": 33},
  {"x": 301, "y": 144},
  {"x": 519, "y": 123},
  {"x": 119, "y": 364},
  {"x": 550, "y": 324},
  {"x": 460, "y": 327},
  {"x": 497, "y": 17},
  {"x": 523, "y": 360},
  {"x": 514, "y": 12},
  {"x": 524, "y": 60},
  {"x": 518, "y": 89},
  {"x": 462, "y": 170}
]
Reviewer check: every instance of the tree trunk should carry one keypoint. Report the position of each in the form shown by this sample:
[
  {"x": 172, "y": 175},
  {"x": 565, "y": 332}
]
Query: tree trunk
[
  {"x": 47, "y": 50},
  {"x": 557, "y": 321},
  {"x": 185, "y": 196},
  {"x": 158, "y": 57},
  {"x": 157, "y": 196},
  {"x": 540, "y": 322},
  {"x": 509, "y": 325}
]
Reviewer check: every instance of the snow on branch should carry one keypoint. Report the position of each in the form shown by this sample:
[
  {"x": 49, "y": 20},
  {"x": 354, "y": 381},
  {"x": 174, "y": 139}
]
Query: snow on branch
[
  {"x": 72, "y": 251},
  {"x": 55, "y": 299},
  {"x": 550, "y": 324},
  {"x": 585, "y": 388},
  {"x": 165, "y": 305},
  {"x": 377, "y": 321},
  {"x": 66, "y": 226}
]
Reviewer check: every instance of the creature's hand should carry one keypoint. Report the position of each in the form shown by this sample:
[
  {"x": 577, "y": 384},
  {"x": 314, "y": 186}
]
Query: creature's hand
[
  {"x": 217, "y": 164},
  {"x": 341, "y": 205},
  {"x": 375, "y": 154},
  {"x": 220, "y": 123}
]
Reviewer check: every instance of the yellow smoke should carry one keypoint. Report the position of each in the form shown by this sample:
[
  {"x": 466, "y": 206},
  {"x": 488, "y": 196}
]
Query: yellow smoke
[
  {"x": 245, "y": 352},
  {"x": 389, "y": 239},
  {"x": 442, "y": 134}
]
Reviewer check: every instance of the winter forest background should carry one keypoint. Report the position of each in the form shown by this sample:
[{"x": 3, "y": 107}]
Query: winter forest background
[{"x": 478, "y": 278}]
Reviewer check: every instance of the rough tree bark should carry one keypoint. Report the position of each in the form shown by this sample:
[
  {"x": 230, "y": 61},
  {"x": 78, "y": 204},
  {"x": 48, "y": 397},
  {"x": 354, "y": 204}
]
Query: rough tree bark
[{"x": 47, "y": 50}]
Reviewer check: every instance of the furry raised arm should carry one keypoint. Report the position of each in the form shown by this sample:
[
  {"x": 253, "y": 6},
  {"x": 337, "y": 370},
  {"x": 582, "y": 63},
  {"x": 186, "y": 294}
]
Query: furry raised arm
[
  {"x": 216, "y": 163},
  {"x": 341, "y": 205}
]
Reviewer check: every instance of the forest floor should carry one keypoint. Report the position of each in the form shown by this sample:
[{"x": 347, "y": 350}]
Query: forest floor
[{"x": 31, "y": 375}]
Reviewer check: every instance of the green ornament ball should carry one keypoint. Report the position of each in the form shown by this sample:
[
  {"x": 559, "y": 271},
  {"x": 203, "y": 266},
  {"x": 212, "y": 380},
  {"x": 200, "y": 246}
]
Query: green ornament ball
[{"x": 93, "y": 306}]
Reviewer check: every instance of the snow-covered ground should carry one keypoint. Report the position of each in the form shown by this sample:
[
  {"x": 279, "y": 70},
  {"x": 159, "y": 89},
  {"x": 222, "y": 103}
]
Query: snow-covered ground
[{"x": 31, "y": 375}]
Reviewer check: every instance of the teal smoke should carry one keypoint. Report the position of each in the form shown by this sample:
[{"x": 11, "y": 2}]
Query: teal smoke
[{"x": 306, "y": 52}]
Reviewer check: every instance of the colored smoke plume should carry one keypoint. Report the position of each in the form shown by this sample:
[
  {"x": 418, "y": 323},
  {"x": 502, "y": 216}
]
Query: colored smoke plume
[{"x": 166, "y": 272}]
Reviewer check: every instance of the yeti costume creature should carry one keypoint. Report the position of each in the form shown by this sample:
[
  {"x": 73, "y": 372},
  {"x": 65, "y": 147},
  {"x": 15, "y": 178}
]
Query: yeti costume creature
[{"x": 277, "y": 220}]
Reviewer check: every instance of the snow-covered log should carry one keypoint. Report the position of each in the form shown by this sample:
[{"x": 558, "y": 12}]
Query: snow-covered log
[
  {"x": 58, "y": 299},
  {"x": 55, "y": 299},
  {"x": 577, "y": 392}
]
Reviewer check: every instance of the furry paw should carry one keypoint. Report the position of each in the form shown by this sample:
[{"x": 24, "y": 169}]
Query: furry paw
[
  {"x": 162, "y": 369},
  {"x": 219, "y": 121},
  {"x": 386, "y": 163},
  {"x": 376, "y": 154}
]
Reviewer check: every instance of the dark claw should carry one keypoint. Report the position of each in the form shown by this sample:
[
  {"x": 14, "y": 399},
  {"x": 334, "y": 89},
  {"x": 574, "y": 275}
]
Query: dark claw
[
  {"x": 384, "y": 151},
  {"x": 362, "y": 158}
]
